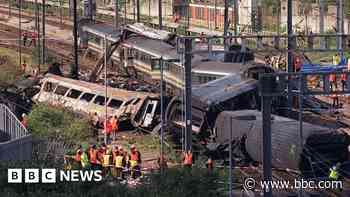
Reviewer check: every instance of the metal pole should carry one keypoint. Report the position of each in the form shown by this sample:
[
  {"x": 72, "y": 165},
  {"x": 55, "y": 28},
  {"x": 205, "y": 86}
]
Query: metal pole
[
  {"x": 43, "y": 33},
  {"x": 106, "y": 113},
  {"x": 75, "y": 35},
  {"x": 138, "y": 10},
  {"x": 134, "y": 10},
  {"x": 160, "y": 14},
  {"x": 301, "y": 120},
  {"x": 161, "y": 115},
  {"x": 9, "y": 8},
  {"x": 125, "y": 12},
  {"x": 149, "y": 11},
  {"x": 322, "y": 23},
  {"x": 230, "y": 156},
  {"x": 188, "y": 94},
  {"x": 61, "y": 13},
  {"x": 38, "y": 33},
  {"x": 340, "y": 25},
  {"x": 290, "y": 46},
  {"x": 225, "y": 19},
  {"x": 116, "y": 14},
  {"x": 215, "y": 18},
  {"x": 188, "y": 13},
  {"x": 266, "y": 112},
  {"x": 20, "y": 32},
  {"x": 236, "y": 18}
]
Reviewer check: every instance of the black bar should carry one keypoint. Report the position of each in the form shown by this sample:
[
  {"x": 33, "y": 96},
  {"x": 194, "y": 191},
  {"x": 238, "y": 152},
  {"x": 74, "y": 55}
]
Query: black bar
[
  {"x": 267, "y": 157},
  {"x": 188, "y": 94},
  {"x": 160, "y": 14},
  {"x": 75, "y": 35}
]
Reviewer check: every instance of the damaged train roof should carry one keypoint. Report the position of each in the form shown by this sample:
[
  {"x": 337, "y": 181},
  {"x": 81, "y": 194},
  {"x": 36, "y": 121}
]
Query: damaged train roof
[
  {"x": 101, "y": 29},
  {"x": 96, "y": 88},
  {"x": 223, "y": 89}
]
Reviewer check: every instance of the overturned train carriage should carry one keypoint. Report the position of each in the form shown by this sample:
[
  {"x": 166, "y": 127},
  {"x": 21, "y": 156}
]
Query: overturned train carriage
[
  {"x": 89, "y": 98},
  {"x": 236, "y": 91},
  {"x": 322, "y": 147}
]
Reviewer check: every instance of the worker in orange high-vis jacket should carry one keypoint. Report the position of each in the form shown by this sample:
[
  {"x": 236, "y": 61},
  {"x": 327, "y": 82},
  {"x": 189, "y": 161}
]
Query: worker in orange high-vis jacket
[
  {"x": 135, "y": 162},
  {"x": 114, "y": 126},
  {"x": 333, "y": 81},
  {"x": 188, "y": 159}
]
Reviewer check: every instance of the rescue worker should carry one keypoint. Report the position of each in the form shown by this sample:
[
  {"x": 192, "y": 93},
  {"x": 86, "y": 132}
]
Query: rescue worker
[
  {"x": 114, "y": 126},
  {"x": 336, "y": 59},
  {"x": 24, "y": 120},
  {"x": 93, "y": 157},
  {"x": 106, "y": 162},
  {"x": 77, "y": 157},
  {"x": 101, "y": 151},
  {"x": 334, "y": 175},
  {"x": 335, "y": 99},
  {"x": 210, "y": 165},
  {"x": 107, "y": 129},
  {"x": 25, "y": 37},
  {"x": 119, "y": 162},
  {"x": 188, "y": 159},
  {"x": 24, "y": 66},
  {"x": 33, "y": 39},
  {"x": 85, "y": 164},
  {"x": 343, "y": 78},
  {"x": 333, "y": 81},
  {"x": 95, "y": 124},
  {"x": 135, "y": 162}
]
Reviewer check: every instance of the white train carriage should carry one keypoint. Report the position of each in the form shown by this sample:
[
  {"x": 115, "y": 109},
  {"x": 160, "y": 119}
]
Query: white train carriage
[{"x": 89, "y": 98}]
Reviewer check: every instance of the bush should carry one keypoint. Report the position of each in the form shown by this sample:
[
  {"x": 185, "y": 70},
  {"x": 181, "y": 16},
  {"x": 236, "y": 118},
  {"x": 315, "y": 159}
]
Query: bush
[{"x": 58, "y": 122}]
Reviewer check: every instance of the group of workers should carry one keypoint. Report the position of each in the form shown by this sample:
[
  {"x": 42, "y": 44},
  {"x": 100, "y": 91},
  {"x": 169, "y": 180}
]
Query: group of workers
[
  {"x": 109, "y": 126},
  {"x": 115, "y": 161},
  {"x": 32, "y": 36}
]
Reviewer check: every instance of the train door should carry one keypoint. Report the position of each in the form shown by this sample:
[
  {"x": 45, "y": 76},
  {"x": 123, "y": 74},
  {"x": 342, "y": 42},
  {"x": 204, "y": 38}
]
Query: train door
[{"x": 149, "y": 113}]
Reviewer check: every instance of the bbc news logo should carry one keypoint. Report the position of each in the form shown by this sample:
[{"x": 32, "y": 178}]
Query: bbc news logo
[{"x": 51, "y": 175}]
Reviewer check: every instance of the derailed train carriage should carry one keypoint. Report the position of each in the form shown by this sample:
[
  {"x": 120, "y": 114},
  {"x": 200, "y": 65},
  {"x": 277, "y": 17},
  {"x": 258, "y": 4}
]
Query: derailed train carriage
[
  {"x": 141, "y": 108},
  {"x": 321, "y": 146},
  {"x": 236, "y": 91}
]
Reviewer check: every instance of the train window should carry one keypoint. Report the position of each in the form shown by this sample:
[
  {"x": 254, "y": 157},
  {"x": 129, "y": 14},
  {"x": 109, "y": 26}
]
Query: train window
[
  {"x": 115, "y": 103},
  {"x": 155, "y": 64},
  {"x": 87, "y": 97},
  {"x": 100, "y": 100},
  {"x": 49, "y": 87},
  {"x": 74, "y": 93},
  {"x": 61, "y": 90}
]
